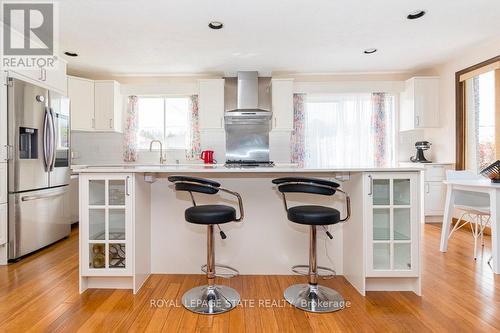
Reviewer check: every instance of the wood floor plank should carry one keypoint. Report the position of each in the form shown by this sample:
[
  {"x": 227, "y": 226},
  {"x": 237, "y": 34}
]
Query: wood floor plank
[{"x": 40, "y": 294}]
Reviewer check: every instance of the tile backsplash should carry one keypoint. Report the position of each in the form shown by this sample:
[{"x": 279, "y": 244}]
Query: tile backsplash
[
  {"x": 96, "y": 147},
  {"x": 107, "y": 148}
]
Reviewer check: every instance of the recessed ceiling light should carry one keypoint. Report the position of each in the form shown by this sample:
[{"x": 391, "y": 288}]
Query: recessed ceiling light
[
  {"x": 370, "y": 51},
  {"x": 416, "y": 14},
  {"x": 216, "y": 25},
  {"x": 71, "y": 54}
]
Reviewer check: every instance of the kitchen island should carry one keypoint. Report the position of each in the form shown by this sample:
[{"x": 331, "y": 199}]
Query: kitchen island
[{"x": 132, "y": 225}]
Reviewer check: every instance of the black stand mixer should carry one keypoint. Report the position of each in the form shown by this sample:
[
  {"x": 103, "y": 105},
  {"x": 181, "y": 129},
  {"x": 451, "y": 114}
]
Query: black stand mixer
[{"x": 420, "y": 157}]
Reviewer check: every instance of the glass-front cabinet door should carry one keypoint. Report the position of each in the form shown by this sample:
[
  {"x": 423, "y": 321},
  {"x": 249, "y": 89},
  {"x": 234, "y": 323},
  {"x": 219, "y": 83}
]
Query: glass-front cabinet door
[
  {"x": 392, "y": 224},
  {"x": 105, "y": 224}
]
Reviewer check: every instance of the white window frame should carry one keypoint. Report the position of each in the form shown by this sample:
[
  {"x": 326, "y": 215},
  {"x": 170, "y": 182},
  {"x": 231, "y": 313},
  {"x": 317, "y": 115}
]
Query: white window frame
[
  {"x": 156, "y": 148},
  {"x": 328, "y": 97}
]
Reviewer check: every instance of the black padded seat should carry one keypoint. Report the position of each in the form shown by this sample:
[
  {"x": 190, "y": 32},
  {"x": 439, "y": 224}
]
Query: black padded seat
[
  {"x": 313, "y": 215},
  {"x": 210, "y": 214}
]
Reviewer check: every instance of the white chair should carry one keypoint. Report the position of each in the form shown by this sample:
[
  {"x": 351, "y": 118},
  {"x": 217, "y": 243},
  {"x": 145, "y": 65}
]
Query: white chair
[{"x": 474, "y": 207}]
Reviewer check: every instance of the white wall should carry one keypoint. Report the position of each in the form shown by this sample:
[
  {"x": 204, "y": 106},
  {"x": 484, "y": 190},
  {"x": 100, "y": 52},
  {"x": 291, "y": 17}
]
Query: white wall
[{"x": 443, "y": 138}]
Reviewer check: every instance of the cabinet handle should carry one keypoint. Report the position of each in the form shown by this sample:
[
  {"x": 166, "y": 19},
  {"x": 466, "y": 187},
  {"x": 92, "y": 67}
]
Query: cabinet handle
[
  {"x": 41, "y": 74},
  {"x": 427, "y": 188},
  {"x": 93, "y": 122},
  {"x": 126, "y": 186},
  {"x": 274, "y": 122},
  {"x": 221, "y": 124},
  {"x": 417, "y": 120},
  {"x": 371, "y": 185},
  {"x": 44, "y": 74},
  {"x": 111, "y": 123},
  {"x": 8, "y": 152}
]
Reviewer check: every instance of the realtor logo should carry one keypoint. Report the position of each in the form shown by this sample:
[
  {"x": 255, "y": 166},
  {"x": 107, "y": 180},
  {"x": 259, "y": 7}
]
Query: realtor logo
[{"x": 29, "y": 32}]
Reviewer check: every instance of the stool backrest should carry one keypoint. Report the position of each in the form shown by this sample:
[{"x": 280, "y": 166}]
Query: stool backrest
[
  {"x": 306, "y": 185},
  {"x": 194, "y": 184},
  {"x": 467, "y": 198}
]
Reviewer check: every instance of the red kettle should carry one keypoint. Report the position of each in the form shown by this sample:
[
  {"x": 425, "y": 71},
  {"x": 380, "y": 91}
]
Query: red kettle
[{"x": 208, "y": 157}]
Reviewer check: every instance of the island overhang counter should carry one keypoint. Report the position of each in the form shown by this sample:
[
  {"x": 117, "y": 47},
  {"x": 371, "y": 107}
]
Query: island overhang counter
[{"x": 132, "y": 225}]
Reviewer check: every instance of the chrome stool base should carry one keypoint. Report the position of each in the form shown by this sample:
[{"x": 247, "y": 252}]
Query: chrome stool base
[
  {"x": 314, "y": 298},
  {"x": 211, "y": 300}
]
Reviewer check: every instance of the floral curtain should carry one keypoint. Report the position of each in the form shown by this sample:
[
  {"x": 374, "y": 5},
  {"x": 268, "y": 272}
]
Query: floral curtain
[
  {"x": 131, "y": 127},
  {"x": 476, "y": 150},
  {"x": 381, "y": 129},
  {"x": 297, "y": 140},
  {"x": 194, "y": 150}
]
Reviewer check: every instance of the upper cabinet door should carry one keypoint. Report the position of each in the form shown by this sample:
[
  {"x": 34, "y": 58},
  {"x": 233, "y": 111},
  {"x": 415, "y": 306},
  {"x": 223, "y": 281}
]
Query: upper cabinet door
[
  {"x": 54, "y": 79},
  {"x": 57, "y": 78},
  {"x": 419, "y": 105},
  {"x": 426, "y": 102},
  {"x": 81, "y": 95},
  {"x": 282, "y": 104},
  {"x": 107, "y": 106},
  {"x": 211, "y": 103}
]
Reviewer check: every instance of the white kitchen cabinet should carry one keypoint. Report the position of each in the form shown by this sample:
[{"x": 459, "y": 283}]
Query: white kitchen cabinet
[
  {"x": 434, "y": 198},
  {"x": 392, "y": 224},
  {"x": 419, "y": 104},
  {"x": 107, "y": 106},
  {"x": 57, "y": 79},
  {"x": 114, "y": 229},
  {"x": 282, "y": 104},
  {"x": 95, "y": 105},
  {"x": 81, "y": 96},
  {"x": 435, "y": 190},
  {"x": 53, "y": 79},
  {"x": 73, "y": 199},
  {"x": 105, "y": 225},
  {"x": 211, "y": 103},
  {"x": 3, "y": 224}
]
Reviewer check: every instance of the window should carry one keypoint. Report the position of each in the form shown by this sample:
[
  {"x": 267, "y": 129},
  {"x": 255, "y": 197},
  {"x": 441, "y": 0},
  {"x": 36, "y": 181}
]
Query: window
[
  {"x": 341, "y": 130},
  {"x": 480, "y": 120},
  {"x": 165, "y": 119},
  {"x": 477, "y": 117}
]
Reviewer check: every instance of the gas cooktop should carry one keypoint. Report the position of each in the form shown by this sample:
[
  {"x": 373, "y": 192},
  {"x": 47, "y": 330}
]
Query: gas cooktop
[{"x": 248, "y": 164}]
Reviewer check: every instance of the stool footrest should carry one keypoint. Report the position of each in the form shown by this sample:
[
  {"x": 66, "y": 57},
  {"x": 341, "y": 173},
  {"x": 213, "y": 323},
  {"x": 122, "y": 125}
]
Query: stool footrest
[
  {"x": 225, "y": 271},
  {"x": 323, "y": 272}
]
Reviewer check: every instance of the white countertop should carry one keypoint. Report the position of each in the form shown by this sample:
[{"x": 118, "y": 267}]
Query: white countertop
[
  {"x": 407, "y": 163},
  {"x": 480, "y": 182},
  {"x": 220, "y": 168}
]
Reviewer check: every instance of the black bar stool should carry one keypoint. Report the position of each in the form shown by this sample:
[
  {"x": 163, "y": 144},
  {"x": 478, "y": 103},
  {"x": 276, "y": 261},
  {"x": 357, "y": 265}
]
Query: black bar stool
[
  {"x": 313, "y": 297},
  {"x": 211, "y": 298}
]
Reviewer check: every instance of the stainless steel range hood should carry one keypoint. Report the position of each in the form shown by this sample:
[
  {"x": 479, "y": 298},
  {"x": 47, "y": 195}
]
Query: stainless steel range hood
[
  {"x": 248, "y": 92},
  {"x": 247, "y": 127}
]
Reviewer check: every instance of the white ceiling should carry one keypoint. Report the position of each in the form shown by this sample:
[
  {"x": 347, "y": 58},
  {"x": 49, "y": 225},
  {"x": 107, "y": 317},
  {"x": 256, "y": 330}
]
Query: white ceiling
[{"x": 125, "y": 37}]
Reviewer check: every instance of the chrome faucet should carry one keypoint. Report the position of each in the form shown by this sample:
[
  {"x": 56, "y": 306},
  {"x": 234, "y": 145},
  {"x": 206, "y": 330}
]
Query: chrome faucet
[{"x": 162, "y": 159}]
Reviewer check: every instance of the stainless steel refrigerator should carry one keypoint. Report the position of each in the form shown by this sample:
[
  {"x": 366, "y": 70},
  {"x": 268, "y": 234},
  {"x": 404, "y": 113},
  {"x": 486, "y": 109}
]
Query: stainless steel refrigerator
[{"x": 38, "y": 167}]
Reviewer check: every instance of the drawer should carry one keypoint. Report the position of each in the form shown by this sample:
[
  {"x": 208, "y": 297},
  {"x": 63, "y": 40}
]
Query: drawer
[{"x": 435, "y": 173}]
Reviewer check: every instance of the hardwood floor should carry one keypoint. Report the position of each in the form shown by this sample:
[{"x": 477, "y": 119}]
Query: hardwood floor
[{"x": 40, "y": 294}]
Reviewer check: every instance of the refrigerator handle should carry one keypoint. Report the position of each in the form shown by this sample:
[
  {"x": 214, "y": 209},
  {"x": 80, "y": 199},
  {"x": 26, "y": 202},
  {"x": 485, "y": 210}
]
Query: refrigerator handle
[
  {"x": 46, "y": 140},
  {"x": 53, "y": 140},
  {"x": 42, "y": 196}
]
